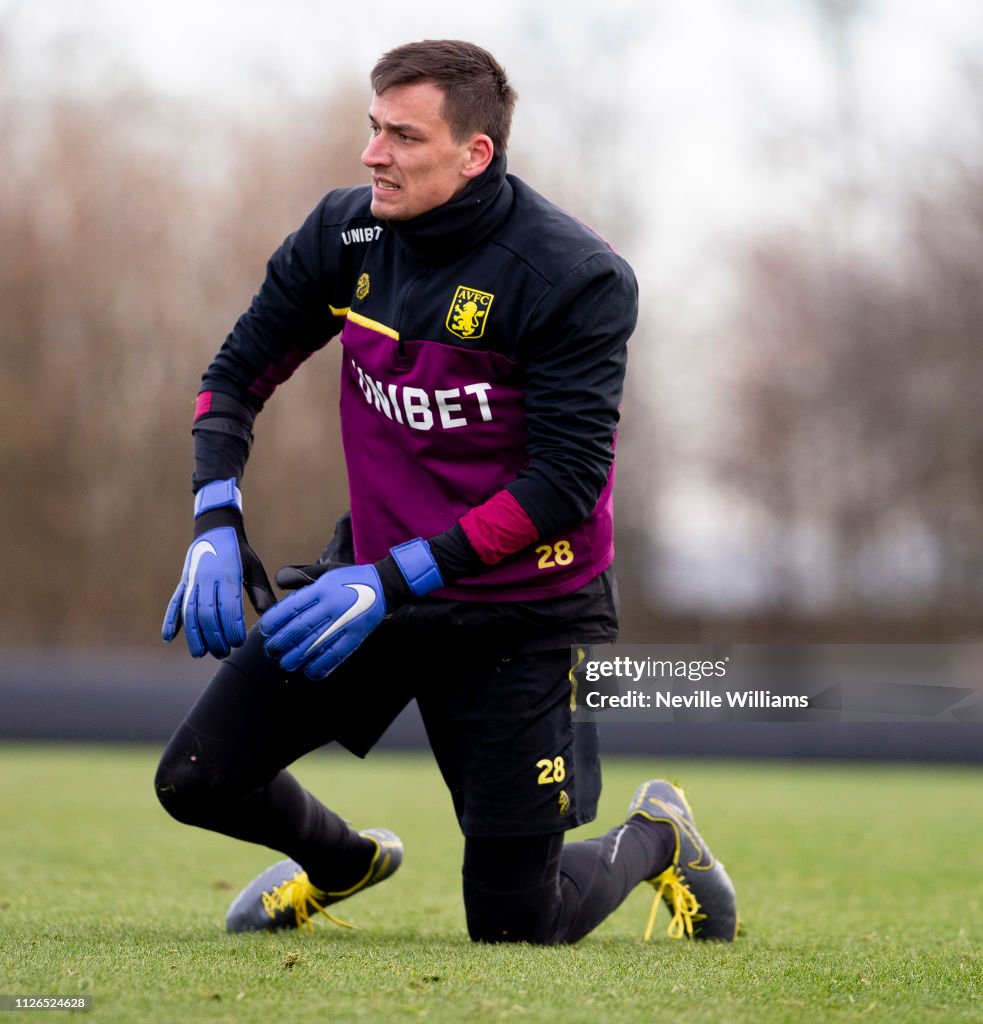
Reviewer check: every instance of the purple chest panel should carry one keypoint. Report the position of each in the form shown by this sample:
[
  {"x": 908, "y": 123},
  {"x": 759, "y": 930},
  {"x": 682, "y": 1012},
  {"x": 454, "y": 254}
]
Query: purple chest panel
[{"x": 430, "y": 430}]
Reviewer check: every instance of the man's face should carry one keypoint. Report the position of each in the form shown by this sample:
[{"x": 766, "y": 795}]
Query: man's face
[{"x": 416, "y": 164}]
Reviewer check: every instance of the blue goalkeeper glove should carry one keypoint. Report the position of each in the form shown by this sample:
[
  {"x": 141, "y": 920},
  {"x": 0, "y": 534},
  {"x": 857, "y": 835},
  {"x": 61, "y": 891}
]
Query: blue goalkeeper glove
[
  {"x": 321, "y": 624},
  {"x": 219, "y": 565}
]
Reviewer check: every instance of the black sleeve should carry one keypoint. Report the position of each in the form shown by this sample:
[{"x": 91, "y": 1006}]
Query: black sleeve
[
  {"x": 223, "y": 437},
  {"x": 575, "y": 379}
]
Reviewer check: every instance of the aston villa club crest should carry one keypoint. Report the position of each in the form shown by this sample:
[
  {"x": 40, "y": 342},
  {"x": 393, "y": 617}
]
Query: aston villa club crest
[{"x": 469, "y": 312}]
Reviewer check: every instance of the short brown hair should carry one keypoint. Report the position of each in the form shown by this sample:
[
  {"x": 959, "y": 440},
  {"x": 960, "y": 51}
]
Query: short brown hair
[{"x": 477, "y": 94}]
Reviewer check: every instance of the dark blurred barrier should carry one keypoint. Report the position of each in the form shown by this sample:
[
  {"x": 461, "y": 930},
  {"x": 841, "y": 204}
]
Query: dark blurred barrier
[
  {"x": 131, "y": 696},
  {"x": 859, "y": 741},
  {"x": 141, "y": 696}
]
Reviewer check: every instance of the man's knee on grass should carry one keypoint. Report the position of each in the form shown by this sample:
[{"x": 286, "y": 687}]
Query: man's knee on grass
[
  {"x": 511, "y": 891},
  {"x": 529, "y": 915}
]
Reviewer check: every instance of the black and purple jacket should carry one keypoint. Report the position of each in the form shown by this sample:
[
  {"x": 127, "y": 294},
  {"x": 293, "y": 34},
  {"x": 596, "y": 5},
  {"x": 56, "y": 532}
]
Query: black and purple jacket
[{"x": 484, "y": 357}]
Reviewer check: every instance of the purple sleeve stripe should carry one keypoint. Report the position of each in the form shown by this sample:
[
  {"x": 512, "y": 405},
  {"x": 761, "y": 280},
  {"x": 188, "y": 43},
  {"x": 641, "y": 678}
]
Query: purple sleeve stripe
[{"x": 276, "y": 373}]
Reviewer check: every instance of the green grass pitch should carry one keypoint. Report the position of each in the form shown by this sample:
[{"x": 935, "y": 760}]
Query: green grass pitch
[{"x": 860, "y": 887}]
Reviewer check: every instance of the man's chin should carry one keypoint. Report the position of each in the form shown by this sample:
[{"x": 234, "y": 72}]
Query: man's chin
[{"x": 384, "y": 210}]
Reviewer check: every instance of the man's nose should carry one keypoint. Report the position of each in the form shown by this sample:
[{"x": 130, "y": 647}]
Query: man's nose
[{"x": 375, "y": 153}]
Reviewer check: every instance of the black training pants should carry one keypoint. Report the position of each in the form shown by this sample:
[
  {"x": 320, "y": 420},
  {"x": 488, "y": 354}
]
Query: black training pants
[{"x": 225, "y": 770}]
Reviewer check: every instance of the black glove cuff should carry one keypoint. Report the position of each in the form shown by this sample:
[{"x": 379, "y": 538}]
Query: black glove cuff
[
  {"x": 395, "y": 589},
  {"x": 454, "y": 555}
]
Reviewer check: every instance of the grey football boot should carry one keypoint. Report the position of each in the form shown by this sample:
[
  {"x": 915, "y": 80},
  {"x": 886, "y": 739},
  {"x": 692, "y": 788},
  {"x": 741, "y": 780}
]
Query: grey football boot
[
  {"x": 695, "y": 887},
  {"x": 283, "y": 896}
]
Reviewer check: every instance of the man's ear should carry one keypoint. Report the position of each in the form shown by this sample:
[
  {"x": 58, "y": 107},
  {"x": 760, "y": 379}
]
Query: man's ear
[{"x": 481, "y": 151}]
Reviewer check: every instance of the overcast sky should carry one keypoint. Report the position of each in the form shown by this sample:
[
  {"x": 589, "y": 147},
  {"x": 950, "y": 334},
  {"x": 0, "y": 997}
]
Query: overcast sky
[
  {"x": 687, "y": 90},
  {"x": 688, "y": 99}
]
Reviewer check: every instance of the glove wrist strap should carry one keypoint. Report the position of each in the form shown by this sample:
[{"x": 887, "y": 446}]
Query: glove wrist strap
[
  {"x": 218, "y": 494},
  {"x": 417, "y": 564}
]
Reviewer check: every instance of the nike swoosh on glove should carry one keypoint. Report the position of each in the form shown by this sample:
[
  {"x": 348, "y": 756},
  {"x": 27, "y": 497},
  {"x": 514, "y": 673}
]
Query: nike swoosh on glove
[{"x": 320, "y": 625}]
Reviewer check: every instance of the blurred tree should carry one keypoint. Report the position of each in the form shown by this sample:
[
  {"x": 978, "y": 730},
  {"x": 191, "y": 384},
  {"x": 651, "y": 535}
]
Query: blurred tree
[
  {"x": 134, "y": 234},
  {"x": 859, "y": 440}
]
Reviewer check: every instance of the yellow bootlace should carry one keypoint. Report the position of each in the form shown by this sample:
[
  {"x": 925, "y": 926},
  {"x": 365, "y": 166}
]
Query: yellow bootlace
[
  {"x": 672, "y": 887},
  {"x": 298, "y": 894}
]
